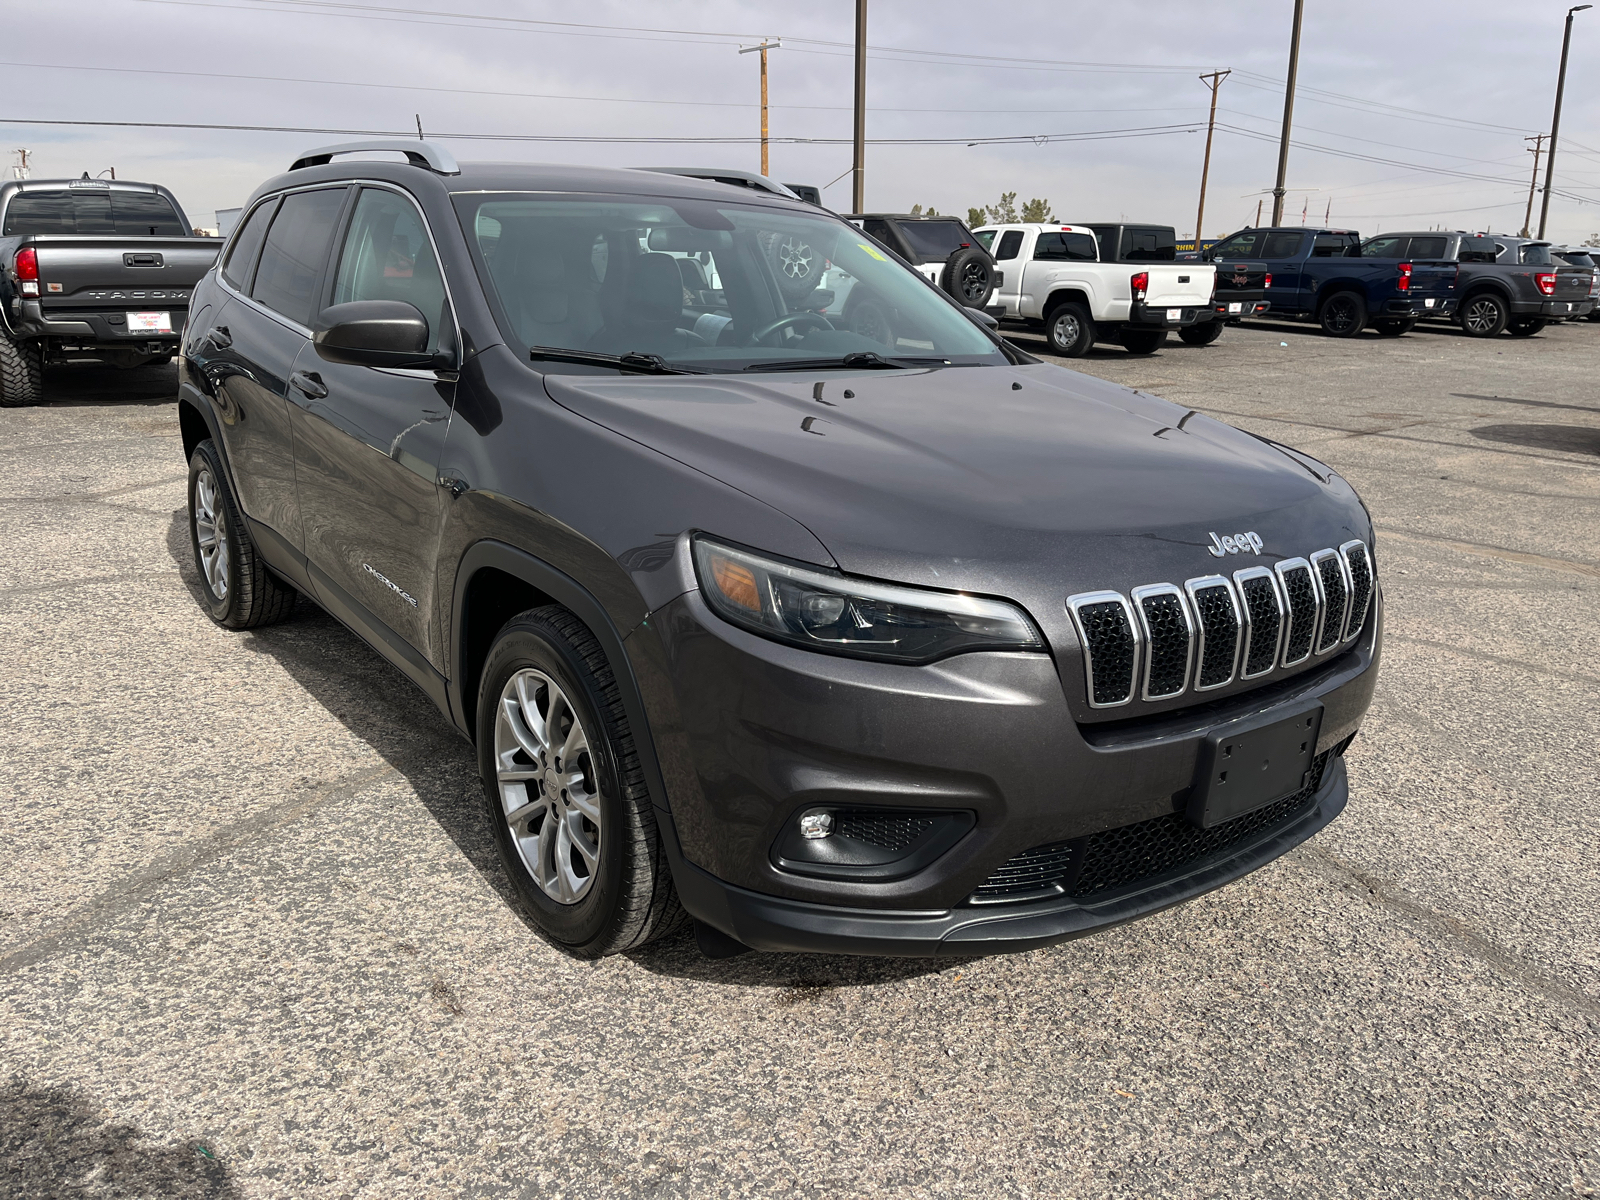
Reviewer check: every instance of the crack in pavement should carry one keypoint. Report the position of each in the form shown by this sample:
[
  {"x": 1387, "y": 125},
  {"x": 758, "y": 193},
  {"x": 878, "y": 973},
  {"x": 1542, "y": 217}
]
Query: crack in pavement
[
  {"x": 1574, "y": 566},
  {"x": 183, "y": 859},
  {"x": 90, "y": 497},
  {"x": 1497, "y": 659},
  {"x": 63, "y": 585}
]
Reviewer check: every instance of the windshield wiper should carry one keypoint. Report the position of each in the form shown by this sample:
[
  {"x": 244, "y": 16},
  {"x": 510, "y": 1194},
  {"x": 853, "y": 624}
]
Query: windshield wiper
[
  {"x": 859, "y": 360},
  {"x": 634, "y": 360}
]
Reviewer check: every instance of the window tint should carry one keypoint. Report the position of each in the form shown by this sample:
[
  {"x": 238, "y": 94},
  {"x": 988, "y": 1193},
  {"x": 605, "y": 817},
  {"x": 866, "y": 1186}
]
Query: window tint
[
  {"x": 1575, "y": 258},
  {"x": 1010, "y": 245},
  {"x": 934, "y": 241},
  {"x": 145, "y": 213},
  {"x": 1282, "y": 245},
  {"x": 985, "y": 237},
  {"x": 295, "y": 250},
  {"x": 1106, "y": 237},
  {"x": 246, "y": 244},
  {"x": 1535, "y": 256},
  {"x": 1148, "y": 244},
  {"x": 1240, "y": 245},
  {"x": 387, "y": 256},
  {"x": 1427, "y": 247},
  {"x": 881, "y": 231},
  {"x": 1476, "y": 250},
  {"x": 1384, "y": 247},
  {"x": 92, "y": 210},
  {"x": 1330, "y": 245},
  {"x": 1066, "y": 247}
]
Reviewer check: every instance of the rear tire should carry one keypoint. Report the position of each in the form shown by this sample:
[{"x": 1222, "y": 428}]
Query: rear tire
[
  {"x": 1344, "y": 314},
  {"x": 21, "y": 373},
  {"x": 1483, "y": 315},
  {"x": 566, "y": 794},
  {"x": 1069, "y": 329},
  {"x": 1527, "y": 327},
  {"x": 1390, "y": 327},
  {"x": 239, "y": 591},
  {"x": 1201, "y": 335},
  {"x": 1143, "y": 341}
]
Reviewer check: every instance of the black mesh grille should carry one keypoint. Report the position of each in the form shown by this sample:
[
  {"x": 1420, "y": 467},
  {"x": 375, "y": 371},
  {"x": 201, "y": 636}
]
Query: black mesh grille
[
  {"x": 1301, "y": 595},
  {"x": 889, "y": 830},
  {"x": 1261, "y": 604},
  {"x": 1168, "y": 650},
  {"x": 1337, "y": 599},
  {"x": 1041, "y": 869},
  {"x": 1213, "y": 607},
  {"x": 1119, "y": 857},
  {"x": 1111, "y": 650},
  {"x": 1360, "y": 587}
]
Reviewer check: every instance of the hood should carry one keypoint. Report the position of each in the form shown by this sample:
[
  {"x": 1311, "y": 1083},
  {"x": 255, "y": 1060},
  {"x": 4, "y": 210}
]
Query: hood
[{"x": 1027, "y": 482}]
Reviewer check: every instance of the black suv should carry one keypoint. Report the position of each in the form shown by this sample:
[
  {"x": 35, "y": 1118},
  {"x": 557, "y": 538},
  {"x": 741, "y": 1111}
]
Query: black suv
[{"x": 831, "y": 643}]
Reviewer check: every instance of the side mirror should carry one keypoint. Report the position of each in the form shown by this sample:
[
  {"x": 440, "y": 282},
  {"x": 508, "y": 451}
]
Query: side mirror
[
  {"x": 987, "y": 320},
  {"x": 374, "y": 333}
]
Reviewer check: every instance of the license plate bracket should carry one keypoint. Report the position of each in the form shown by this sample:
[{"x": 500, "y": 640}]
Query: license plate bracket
[
  {"x": 1250, "y": 764},
  {"x": 150, "y": 322}
]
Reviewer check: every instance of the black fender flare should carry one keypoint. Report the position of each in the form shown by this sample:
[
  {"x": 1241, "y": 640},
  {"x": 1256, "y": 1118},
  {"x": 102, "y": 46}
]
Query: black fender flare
[{"x": 577, "y": 599}]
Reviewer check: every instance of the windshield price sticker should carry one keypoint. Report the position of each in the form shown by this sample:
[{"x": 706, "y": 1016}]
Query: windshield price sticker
[
  {"x": 872, "y": 252},
  {"x": 150, "y": 322}
]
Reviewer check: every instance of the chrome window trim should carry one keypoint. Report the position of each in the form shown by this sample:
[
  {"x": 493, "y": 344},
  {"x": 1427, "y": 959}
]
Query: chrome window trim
[
  {"x": 1247, "y": 639},
  {"x": 1282, "y": 569},
  {"x": 1139, "y": 595},
  {"x": 1076, "y": 602},
  {"x": 1317, "y": 559},
  {"x": 1353, "y": 626},
  {"x": 1191, "y": 586}
]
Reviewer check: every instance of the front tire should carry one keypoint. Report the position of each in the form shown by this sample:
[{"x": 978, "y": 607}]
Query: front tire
[
  {"x": 1344, "y": 314},
  {"x": 1201, "y": 335},
  {"x": 1143, "y": 341},
  {"x": 239, "y": 591},
  {"x": 21, "y": 373},
  {"x": 1483, "y": 315},
  {"x": 1070, "y": 330},
  {"x": 1527, "y": 327},
  {"x": 566, "y": 794}
]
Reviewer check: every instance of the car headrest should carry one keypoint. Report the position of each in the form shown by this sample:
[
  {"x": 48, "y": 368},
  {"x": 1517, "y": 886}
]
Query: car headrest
[{"x": 657, "y": 292}]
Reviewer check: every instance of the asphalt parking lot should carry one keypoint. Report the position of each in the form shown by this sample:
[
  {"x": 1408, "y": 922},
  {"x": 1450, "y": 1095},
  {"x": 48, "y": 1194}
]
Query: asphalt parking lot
[{"x": 254, "y": 941}]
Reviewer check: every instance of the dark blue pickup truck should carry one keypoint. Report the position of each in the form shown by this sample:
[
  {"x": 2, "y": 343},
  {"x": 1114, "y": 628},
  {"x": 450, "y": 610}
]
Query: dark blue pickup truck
[{"x": 1317, "y": 274}]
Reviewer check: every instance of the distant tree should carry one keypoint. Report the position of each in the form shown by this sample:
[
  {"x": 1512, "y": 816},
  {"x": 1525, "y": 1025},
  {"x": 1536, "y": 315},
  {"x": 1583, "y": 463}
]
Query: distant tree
[
  {"x": 976, "y": 217},
  {"x": 918, "y": 211},
  {"x": 1594, "y": 240},
  {"x": 1036, "y": 211},
  {"x": 1006, "y": 212}
]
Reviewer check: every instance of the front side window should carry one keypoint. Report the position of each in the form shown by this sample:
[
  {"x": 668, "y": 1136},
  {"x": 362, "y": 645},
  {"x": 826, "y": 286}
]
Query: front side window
[
  {"x": 295, "y": 252},
  {"x": 985, "y": 237},
  {"x": 1384, "y": 247},
  {"x": 1010, "y": 245},
  {"x": 387, "y": 256},
  {"x": 1239, "y": 246},
  {"x": 1148, "y": 244},
  {"x": 246, "y": 245},
  {"x": 1066, "y": 247},
  {"x": 1282, "y": 245},
  {"x": 704, "y": 286}
]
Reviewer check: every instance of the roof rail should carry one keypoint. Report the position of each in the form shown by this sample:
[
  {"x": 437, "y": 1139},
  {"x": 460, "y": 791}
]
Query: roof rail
[{"x": 418, "y": 153}]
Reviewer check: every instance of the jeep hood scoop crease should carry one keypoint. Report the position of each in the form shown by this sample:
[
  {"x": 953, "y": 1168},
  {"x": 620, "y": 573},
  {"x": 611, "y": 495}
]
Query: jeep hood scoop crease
[{"x": 954, "y": 478}]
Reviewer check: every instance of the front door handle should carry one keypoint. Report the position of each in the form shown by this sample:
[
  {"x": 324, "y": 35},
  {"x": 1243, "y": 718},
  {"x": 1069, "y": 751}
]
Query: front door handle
[
  {"x": 220, "y": 337},
  {"x": 310, "y": 383}
]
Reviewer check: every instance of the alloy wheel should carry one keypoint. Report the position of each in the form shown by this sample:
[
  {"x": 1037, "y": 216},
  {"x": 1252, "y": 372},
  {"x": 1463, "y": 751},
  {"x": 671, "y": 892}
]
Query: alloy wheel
[
  {"x": 1481, "y": 316},
  {"x": 211, "y": 534},
  {"x": 1065, "y": 331},
  {"x": 1341, "y": 315},
  {"x": 795, "y": 258},
  {"x": 549, "y": 794}
]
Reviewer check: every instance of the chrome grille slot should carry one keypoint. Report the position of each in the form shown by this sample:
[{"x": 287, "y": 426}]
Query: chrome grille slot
[
  {"x": 1168, "y": 637},
  {"x": 1263, "y": 616},
  {"x": 1303, "y": 605},
  {"x": 1216, "y": 611},
  {"x": 1335, "y": 589},
  {"x": 1110, "y": 645},
  {"x": 1358, "y": 565}
]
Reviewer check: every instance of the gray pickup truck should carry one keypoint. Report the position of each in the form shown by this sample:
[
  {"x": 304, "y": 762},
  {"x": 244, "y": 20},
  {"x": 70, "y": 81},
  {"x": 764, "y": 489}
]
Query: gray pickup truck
[
  {"x": 91, "y": 270},
  {"x": 1504, "y": 283}
]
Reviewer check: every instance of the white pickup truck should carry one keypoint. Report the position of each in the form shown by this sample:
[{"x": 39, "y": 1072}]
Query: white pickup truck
[{"x": 1053, "y": 275}]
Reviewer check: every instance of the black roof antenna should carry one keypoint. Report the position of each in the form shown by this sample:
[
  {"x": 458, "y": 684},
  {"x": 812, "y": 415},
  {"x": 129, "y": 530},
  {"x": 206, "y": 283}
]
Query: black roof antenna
[{"x": 419, "y": 127}]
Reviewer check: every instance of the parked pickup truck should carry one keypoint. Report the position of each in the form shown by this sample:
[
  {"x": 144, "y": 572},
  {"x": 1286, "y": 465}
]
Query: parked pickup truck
[
  {"x": 91, "y": 270},
  {"x": 1582, "y": 256},
  {"x": 1054, "y": 277},
  {"x": 1316, "y": 276},
  {"x": 1504, "y": 283}
]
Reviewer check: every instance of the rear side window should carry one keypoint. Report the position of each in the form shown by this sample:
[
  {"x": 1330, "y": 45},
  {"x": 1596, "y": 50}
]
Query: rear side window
[
  {"x": 387, "y": 256},
  {"x": 1148, "y": 244},
  {"x": 295, "y": 251},
  {"x": 1428, "y": 247},
  {"x": 1282, "y": 245},
  {"x": 934, "y": 241},
  {"x": 246, "y": 245},
  {"x": 91, "y": 210},
  {"x": 1534, "y": 256},
  {"x": 1385, "y": 247},
  {"x": 1330, "y": 245},
  {"x": 1066, "y": 247},
  {"x": 1010, "y": 245},
  {"x": 1479, "y": 250}
]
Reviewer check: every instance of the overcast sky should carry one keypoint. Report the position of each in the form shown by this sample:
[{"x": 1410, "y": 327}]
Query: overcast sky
[{"x": 1441, "y": 94}]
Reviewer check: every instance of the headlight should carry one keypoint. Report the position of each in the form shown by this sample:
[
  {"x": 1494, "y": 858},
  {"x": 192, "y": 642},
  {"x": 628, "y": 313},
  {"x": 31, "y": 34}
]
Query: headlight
[{"x": 855, "y": 617}]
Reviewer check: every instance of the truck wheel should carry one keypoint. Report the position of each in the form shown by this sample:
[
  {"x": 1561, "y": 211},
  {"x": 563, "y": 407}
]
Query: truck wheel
[
  {"x": 1483, "y": 315},
  {"x": 1069, "y": 329},
  {"x": 1344, "y": 314},
  {"x": 968, "y": 275},
  {"x": 1143, "y": 341},
  {"x": 239, "y": 591},
  {"x": 21, "y": 373},
  {"x": 566, "y": 794},
  {"x": 1391, "y": 327},
  {"x": 1526, "y": 326},
  {"x": 1201, "y": 335},
  {"x": 871, "y": 320}
]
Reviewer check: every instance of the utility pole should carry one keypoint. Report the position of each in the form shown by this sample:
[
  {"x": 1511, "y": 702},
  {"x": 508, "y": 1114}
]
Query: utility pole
[
  {"x": 1215, "y": 78},
  {"x": 769, "y": 44},
  {"x": 20, "y": 171},
  {"x": 858, "y": 183},
  {"x": 1288, "y": 115},
  {"x": 1555, "y": 121},
  {"x": 1536, "y": 149}
]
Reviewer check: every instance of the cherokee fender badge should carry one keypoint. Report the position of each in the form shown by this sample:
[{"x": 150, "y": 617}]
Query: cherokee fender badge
[
  {"x": 388, "y": 583},
  {"x": 1236, "y": 543}
]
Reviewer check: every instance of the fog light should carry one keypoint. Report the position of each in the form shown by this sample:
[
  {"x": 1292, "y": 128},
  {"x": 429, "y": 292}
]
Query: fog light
[{"x": 816, "y": 825}]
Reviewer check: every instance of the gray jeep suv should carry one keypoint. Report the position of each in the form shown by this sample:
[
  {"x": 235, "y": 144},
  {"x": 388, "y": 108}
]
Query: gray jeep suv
[{"x": 911, "y": 645}]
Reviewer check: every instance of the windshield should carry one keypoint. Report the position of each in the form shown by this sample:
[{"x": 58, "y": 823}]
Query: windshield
[
  {"x": 1240, "y": 245},
  {"x": 706, "y": 286},
  {"x": 91, "y": 210},
  {"x": 1575, "y": 258}
]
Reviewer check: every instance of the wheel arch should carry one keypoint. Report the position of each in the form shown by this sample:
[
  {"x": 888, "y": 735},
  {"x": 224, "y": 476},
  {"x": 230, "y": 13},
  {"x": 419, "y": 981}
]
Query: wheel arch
[
  {"x": 1336, "y": 287},
  {"x": 1066, "y": 295}
]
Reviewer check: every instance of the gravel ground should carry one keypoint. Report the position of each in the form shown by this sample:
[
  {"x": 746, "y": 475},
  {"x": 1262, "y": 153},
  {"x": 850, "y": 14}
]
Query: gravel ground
[{"x": 254, "y": 941}]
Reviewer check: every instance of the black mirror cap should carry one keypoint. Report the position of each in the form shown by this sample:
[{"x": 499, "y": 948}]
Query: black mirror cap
[
  {"x": 374, "y": 333},
  {"x": 987, "y": 320}
]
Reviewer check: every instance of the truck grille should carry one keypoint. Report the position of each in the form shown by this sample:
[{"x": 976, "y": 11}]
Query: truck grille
[{"x": 1202, "y": 636}]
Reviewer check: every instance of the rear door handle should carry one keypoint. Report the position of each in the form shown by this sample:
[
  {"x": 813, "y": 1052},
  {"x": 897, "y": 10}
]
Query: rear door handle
[
  {"x": 310, "y": 383},
  {"x": 220, "y": 337}
]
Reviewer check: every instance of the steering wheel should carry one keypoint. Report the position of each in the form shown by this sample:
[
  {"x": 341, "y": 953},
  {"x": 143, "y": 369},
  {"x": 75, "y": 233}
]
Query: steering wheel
[{"x": 785, "y": 321}]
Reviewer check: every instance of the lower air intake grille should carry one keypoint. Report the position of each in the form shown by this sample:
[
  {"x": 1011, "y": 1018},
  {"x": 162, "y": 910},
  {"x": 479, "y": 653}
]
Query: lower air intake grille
[
  {"x": 1261, "y": 606},
  {"x": 1112, "y": 649},
  {"x": 1039, "y": 870},
  {"x": 1219, "y": 634},
  {"x": 1335, "y": 597},
  {"x": 1301, "y": 595},
  {"x": 881, "y": 829}
]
